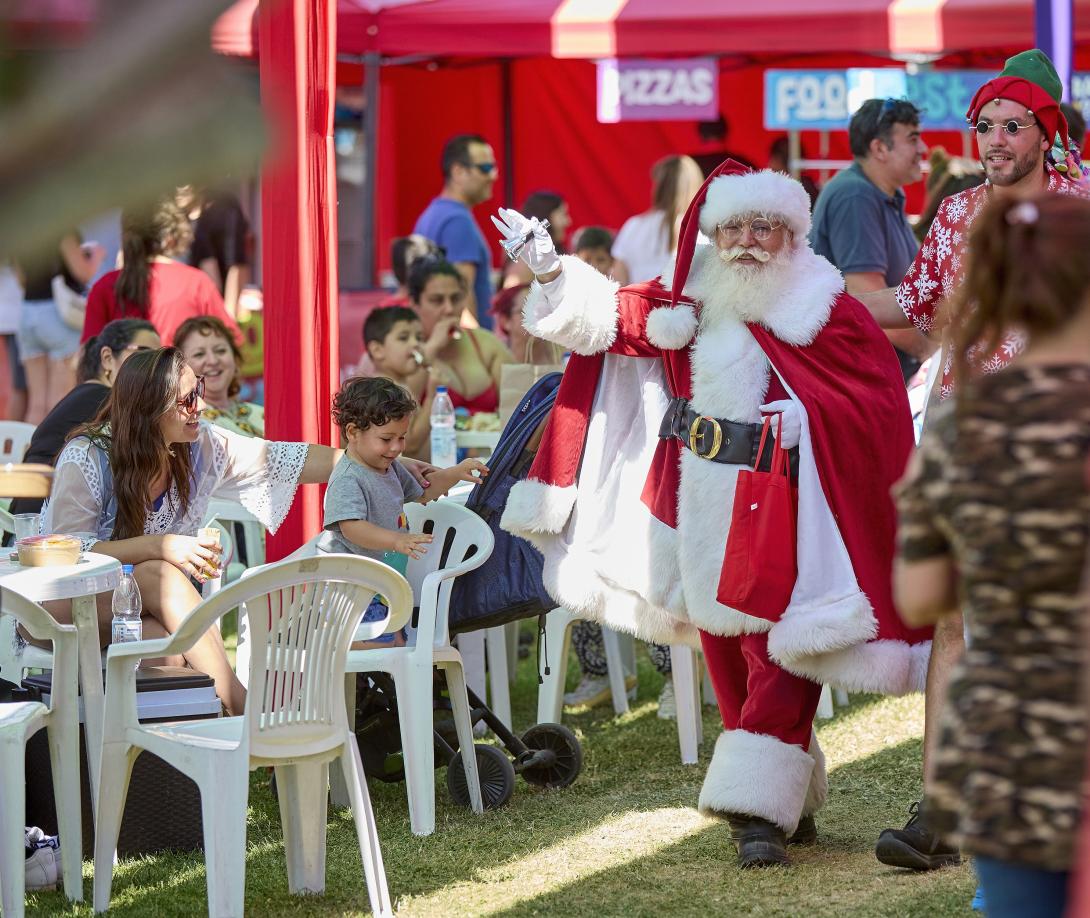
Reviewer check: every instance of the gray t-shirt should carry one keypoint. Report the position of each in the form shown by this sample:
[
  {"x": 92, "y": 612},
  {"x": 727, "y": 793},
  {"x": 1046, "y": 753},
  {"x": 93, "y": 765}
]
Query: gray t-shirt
[
  {"x": 861, "y": 229},
  {"x": 357, "y": 492}
]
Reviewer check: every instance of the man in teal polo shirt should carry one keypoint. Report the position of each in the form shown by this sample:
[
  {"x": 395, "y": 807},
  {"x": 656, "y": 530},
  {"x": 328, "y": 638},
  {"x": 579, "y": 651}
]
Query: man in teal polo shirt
[{"x": 859, "y": 220}]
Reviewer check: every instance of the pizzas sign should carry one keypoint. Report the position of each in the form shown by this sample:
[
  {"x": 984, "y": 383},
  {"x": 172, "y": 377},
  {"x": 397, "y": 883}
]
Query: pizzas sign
[{"x": 647, "y": 90}]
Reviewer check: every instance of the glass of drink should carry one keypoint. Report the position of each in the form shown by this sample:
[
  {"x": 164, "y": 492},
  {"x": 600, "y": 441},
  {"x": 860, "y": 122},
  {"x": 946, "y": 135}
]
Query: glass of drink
[
  {"x": 26, "y": 524},
  {"x": 210, "y": 534}
]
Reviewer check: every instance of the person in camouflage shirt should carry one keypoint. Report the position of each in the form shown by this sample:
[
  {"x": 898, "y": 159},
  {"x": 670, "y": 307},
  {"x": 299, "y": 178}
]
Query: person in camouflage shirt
[{"x": 995, "y": 517}]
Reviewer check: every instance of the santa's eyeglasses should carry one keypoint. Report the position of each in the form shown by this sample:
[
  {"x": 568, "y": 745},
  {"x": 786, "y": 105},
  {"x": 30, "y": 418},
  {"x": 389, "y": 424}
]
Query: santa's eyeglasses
[
  {"x": 760, "y": 228},
  {"x": 1012, "y": 127}
]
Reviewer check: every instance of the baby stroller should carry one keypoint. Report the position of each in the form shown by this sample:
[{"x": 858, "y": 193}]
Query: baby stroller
[
  {"x": 506, "y": 588},
  {"x": 546, "y": 755}
]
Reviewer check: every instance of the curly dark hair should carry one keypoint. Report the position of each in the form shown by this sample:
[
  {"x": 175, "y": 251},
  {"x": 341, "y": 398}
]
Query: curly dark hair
[{"x": 371, "y": 401}]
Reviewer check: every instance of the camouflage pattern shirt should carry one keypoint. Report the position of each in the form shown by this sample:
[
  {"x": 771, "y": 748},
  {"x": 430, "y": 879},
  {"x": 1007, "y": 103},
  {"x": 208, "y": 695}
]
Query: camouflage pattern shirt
[{"x": 1002, "y": 491}]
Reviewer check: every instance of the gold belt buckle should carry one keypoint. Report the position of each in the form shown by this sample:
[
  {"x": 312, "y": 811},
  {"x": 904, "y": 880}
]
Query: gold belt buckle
[{"x": 696, "y": 435}]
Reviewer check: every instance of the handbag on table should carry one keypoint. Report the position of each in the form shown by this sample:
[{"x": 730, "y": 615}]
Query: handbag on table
[
  {"x": 516, "y": 379},
  {"x": 760, "y": 564}
]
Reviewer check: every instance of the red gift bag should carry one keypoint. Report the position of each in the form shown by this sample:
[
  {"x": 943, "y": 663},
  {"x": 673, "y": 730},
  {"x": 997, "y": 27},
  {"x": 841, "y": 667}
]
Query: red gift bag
[{"x": 759, "y": 566}]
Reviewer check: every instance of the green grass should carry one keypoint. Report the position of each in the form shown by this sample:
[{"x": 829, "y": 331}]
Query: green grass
[{"x": 624, "y": 840}]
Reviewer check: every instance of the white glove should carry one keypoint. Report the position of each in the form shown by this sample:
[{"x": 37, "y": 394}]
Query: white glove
[
  {"x": 540, "y": 252},
  {"x": 789, "y": 423}
]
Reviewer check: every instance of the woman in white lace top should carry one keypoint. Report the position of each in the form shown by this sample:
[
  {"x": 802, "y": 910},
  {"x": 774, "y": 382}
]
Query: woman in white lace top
[{"x": 135, "y": 484}]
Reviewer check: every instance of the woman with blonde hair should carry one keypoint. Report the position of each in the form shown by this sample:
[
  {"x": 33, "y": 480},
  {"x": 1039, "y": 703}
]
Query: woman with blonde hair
[{"x": 646, "y": 242}]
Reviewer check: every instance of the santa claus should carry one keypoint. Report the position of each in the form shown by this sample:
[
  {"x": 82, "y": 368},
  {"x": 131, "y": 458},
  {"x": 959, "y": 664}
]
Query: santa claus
[{"x": 630, "y": 501}]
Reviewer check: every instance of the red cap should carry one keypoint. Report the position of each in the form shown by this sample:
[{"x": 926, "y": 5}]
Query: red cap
[
  {"x": 690, "y": 227},
  {"x": 1040, "y": 103}
]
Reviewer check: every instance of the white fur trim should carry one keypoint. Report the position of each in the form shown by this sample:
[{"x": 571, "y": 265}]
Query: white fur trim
[
  {"x": 888, "y": 667},
  {"x": 919, "y": 662},
  {"x": 818, "y": 791},
  {"x": 806, "y": 630},
  {"x": 770, "y": 193},
  {"x": 793, "y": 300},
  {"x": 578, "y": 310},
  {"x": 803, "y": 306},
  {"x": 536, "y": 507},
  {"x": 671, "y": 328},
  {"x": 757, "y": 775}
]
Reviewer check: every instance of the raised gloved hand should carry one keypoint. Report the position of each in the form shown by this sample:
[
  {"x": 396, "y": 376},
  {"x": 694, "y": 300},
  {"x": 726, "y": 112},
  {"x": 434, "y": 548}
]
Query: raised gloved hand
[
  {"x": 789, "y": 426},
  {"x": 540, "y": 252}
]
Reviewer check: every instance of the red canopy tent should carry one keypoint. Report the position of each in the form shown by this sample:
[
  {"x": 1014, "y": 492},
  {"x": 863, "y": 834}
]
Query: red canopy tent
[
  {"x": 536, "y": 53},
  {"x": 606, "y": 28}
]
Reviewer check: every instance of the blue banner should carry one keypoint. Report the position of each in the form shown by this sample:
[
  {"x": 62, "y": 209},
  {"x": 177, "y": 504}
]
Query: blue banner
[{"x": 824, "y": 100}]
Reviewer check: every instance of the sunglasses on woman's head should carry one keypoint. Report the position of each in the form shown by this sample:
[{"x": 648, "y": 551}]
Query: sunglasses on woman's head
[{"x": 189, "y": 401}]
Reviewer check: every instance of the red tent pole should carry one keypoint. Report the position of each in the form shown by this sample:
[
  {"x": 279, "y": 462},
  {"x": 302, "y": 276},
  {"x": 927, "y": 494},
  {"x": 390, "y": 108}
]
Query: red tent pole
[{"x": 299, "y": 238}]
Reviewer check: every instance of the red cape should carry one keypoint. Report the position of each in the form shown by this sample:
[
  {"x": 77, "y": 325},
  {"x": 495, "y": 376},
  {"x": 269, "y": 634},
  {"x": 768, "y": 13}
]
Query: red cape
[{"x": 860, "y": 423}]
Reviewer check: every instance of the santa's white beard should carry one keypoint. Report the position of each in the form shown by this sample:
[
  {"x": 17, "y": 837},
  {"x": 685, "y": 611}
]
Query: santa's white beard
[{"x": 736, "y": 289}]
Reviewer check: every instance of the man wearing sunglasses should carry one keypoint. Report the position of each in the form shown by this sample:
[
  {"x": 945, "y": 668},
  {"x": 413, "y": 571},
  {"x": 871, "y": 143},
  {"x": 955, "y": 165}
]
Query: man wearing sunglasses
[
  {"x": 1016, "y": 118},
  {"x": 469, "y": 175}
]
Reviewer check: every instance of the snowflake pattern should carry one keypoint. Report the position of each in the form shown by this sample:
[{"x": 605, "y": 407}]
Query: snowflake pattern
[
  {"x": 944, "y": 246},
  {"x": 959, "y": 207},
  {"x": 939, "y": 265}
]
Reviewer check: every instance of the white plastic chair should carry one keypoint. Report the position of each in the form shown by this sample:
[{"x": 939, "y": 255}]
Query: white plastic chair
[
  {"x": 684, "y": 672},
  {"x": 14, "y": 439},
  {"x": 303, "y": 615},
  {"x": 620, "y": 659},
  {"x": 432, "y": 578},
  {"x": 19, "y": 721}
]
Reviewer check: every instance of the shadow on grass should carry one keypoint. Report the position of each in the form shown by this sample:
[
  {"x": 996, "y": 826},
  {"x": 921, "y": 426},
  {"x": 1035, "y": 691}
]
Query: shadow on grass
[
  {"x": 631, "y": 766},
  {"x": 829, "y": 879}
]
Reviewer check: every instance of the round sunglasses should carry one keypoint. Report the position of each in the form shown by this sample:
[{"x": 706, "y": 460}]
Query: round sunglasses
[{"x": 1011, "y": 127}]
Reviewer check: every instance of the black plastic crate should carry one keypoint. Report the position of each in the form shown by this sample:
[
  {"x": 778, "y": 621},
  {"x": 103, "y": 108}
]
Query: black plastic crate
[{"x": 163, "y": 806}]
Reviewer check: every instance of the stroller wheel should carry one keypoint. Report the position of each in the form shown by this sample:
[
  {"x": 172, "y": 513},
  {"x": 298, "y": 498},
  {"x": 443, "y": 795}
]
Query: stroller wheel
[
  {"x": 496, "y": 774},
  {"x": 563, "y": 755}
]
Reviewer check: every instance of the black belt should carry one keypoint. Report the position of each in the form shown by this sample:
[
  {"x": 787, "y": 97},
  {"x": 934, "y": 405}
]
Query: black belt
[{"x": 719, "y": 440}]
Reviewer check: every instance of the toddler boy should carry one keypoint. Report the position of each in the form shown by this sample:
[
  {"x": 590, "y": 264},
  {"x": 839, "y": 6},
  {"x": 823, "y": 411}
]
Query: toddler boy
[
  {"x": 369, "y": 487},
  {"x": 594, "y": 245}
]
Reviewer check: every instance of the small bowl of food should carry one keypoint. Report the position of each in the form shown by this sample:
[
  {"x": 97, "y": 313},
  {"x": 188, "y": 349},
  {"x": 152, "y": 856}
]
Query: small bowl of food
[{"x": 48, "y": 550}]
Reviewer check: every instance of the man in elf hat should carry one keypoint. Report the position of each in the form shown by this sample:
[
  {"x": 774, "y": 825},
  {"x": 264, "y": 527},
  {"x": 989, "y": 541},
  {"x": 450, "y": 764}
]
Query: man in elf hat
[
  {"x": 1023, "y": 144},
  {"x": 631, "y": 494}
]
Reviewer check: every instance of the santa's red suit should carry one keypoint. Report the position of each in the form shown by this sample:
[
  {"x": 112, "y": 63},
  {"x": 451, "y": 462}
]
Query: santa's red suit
[{"x": 633, "y": 527}]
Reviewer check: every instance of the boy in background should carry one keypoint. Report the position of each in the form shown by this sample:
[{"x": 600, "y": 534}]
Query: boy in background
[
  {"x": 393, "y": 337},
  {"x": 594, "y": 244}
]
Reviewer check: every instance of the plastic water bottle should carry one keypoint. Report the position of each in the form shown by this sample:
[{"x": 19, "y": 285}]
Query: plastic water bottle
[
  {"x": 444, "y": 441},
  {"x": 127, "y": 608}
]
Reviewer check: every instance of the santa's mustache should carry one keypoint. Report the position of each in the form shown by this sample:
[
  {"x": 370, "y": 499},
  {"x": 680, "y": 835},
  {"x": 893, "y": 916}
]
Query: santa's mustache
[{"x": 737, "y": 251}]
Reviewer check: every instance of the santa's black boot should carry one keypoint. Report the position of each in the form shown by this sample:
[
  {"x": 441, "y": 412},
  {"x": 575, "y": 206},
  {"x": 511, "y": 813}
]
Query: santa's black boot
[
  {"x": 760, "y": 843},
  {"x": 806, "y": 833}
]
